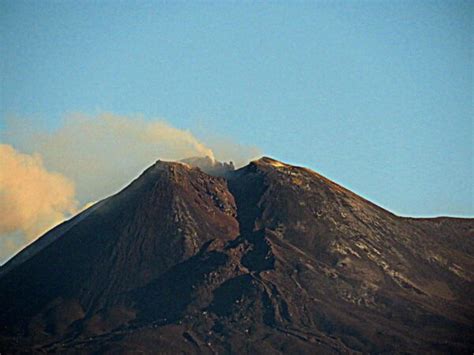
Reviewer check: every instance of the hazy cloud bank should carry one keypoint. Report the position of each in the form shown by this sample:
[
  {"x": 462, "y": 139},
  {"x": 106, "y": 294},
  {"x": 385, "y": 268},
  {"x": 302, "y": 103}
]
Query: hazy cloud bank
[{"x": 32, "y": 199}]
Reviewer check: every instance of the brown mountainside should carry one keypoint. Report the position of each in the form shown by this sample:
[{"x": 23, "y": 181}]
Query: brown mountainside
[{"x": 270, "y": 258}]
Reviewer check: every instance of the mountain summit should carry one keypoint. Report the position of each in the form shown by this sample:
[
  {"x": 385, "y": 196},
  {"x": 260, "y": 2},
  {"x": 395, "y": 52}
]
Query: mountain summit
[
  {"x": 270, "y": 258},
  {"x": 210, "y": 165}
]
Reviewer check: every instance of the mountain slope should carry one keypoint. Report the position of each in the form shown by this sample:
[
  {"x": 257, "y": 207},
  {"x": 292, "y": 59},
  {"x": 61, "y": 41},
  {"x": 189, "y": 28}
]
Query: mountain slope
[{"x": 272, "y": 258}]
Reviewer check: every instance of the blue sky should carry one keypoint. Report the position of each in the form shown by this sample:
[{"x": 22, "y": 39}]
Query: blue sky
[{"x": 376, "y": 95}]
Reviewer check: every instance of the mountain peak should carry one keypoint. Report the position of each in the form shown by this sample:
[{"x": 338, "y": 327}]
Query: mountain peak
[
  {"x": 163, "y": 164},
  {"x": 270, "y": 258},
  {"x": 269, "y": 161}
]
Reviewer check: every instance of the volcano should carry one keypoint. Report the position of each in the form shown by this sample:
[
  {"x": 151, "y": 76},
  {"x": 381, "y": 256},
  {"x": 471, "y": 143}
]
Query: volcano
[{"x": 268, "y": 259}]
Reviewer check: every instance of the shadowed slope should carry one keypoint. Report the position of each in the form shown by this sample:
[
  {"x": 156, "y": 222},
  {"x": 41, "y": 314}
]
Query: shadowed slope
[{"x": 161, "y": 219}]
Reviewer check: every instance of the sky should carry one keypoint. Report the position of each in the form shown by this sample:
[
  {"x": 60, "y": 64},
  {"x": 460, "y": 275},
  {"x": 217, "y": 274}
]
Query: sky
[{"x": 375, "y": 95}]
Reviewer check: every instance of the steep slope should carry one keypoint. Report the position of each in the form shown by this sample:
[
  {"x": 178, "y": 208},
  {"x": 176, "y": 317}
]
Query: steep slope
[
  {"x": 272, "y": 259},
  {"x": 355, "y": 271},
  {"x": 160, "y": 220}
]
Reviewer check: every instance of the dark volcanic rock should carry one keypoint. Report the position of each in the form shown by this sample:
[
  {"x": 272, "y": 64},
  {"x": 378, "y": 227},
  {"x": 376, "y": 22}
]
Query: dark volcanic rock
[{"x": 270, "y": 259}]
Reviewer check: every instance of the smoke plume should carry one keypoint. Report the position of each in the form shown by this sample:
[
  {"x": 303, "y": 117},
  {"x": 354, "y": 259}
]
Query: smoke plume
[{"x": 103, "y": 153}]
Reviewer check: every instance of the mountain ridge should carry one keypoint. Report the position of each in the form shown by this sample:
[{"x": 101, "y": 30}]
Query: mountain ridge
[{"x": 270, "y": 258}]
